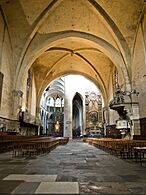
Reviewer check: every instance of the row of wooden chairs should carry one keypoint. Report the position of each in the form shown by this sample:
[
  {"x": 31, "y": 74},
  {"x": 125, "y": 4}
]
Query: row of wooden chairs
[
  {"x": 120, "y": 147},
  {"x": 34, "y": 147},
  {"x": 31, "y": 145}
]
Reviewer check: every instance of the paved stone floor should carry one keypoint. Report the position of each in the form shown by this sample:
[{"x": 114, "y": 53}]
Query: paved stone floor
[{"x": 75, "y": 168}]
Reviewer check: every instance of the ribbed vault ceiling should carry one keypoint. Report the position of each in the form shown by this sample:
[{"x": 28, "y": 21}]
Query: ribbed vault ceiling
[{"x": 42, "y": 37}]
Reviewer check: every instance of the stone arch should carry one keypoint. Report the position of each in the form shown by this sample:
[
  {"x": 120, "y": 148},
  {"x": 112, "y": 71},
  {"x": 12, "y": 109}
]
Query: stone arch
[
  {"x": 102, "y": 90},
  {"x": 120, "y": 40},
  {"x": 101, "y": 44}
]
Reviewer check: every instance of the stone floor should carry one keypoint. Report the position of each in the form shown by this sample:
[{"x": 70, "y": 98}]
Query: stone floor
[{"x": 75, "y": 168}]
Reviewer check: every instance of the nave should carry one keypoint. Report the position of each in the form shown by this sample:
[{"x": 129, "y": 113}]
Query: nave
[{"x": 74, "y": 168}]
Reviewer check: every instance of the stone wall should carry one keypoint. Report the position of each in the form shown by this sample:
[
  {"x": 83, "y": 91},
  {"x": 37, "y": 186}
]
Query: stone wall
[
  {"x": 7, "y": 125},
  {"x": 139, "y": 71},
  {"x": 7, "y": 69}
]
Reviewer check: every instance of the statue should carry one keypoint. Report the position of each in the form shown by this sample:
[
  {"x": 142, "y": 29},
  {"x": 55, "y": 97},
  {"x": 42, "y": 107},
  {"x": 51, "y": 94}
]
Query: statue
[{"x": 57, "y": 127}]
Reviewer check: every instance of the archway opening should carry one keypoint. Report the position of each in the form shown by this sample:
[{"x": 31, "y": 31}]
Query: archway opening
[
  {"x": 63, "y": 107},
  {"x": 52, "y": 104},
  {"x": 77, "y": 115}
]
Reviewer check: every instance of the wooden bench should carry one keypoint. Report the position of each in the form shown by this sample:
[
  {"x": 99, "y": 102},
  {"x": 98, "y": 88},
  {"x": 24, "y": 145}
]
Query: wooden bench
[
  {"x": 30, "y": 145},
  {"x": 119, "y": 147}
]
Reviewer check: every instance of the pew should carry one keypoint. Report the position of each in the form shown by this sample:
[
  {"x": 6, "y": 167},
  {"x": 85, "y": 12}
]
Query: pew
[
  {"x": 29, "y": 145},
  {"x": 126, "y": 149}
]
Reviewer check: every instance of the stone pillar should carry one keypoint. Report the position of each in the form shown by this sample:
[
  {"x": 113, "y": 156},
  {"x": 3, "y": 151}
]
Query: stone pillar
[
  {"x": 67, "y": 110},
  {"x": 37, "y": 120},
  {"x": 86, "y": 112},
  {"x": 17, "y": 99},
  {"x": 135, "y": 130},
  {"x": 111, "y": 116},
  {"x": 104, "y": 119},
  {"x": 44, "y": 119},
  {"x": 61, "y": 105},
  {"x": 132, "y": 106},
  {"x": 84, "y": 117},
  {"x": 48, "y": 104},
  {"x": 54, "y": 104},
  {"x": 67, "y": 118}
]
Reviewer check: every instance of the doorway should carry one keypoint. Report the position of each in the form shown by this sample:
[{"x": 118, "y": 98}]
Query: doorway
[{"x": 77, "y": 116}]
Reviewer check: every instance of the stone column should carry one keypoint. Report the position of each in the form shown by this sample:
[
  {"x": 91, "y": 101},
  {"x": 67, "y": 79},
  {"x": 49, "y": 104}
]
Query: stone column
[
  {"x": 61, "y": 105},
  {"x": 67, "y": 118},
  {"x": 104, "y": 119},
  {"x": 48, "y": 104},
  {"x": 84, "y": 117},
  {"x": 86, "y": 111},
  {"x": 135, "y": 130},
  {"x": 67, "y": 110},
  {"x": 132, "y": 106},
  {"x": 17, "y": 99},
  {"x": 37, "y": 120},
  {"x": 44, "y": 119},
  {"x": 54, "y": 104}
]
